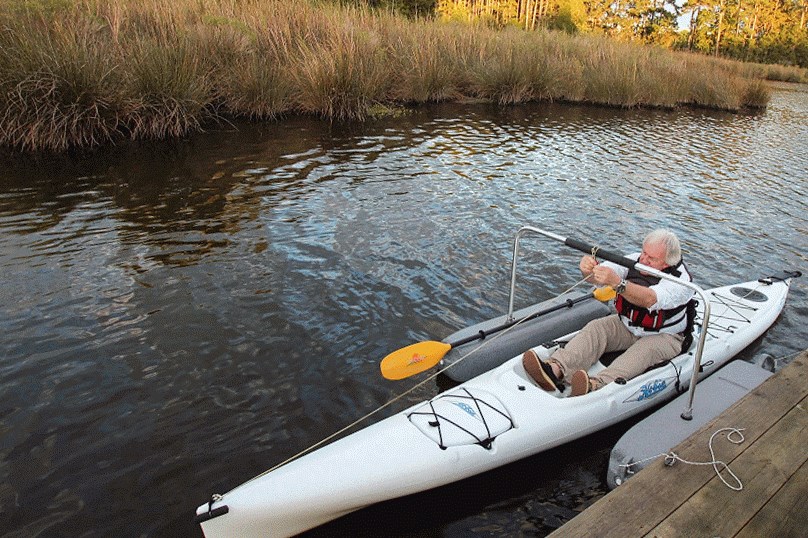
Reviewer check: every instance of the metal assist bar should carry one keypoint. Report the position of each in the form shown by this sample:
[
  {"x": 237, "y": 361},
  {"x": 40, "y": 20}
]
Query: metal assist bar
[{"x": 619, "y": 259}]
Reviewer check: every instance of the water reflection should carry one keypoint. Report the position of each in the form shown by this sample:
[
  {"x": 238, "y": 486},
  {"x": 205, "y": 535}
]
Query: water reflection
[{"x": 178, "y": 317}]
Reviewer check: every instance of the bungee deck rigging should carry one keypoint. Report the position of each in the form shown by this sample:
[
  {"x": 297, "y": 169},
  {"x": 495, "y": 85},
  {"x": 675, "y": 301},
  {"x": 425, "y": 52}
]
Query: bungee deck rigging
[{"x": 482, "y": 419}]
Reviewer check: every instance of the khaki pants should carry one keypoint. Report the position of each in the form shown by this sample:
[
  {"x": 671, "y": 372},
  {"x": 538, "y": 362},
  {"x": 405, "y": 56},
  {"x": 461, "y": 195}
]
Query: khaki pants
[{"x": 606, "y": 334}]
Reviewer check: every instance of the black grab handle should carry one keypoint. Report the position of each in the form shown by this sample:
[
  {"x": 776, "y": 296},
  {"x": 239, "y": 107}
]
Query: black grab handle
[{"x": 619, "y": 259}]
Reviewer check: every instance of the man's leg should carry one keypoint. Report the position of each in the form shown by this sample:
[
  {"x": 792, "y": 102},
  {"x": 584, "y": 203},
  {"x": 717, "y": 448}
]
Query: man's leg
[
  {"x": 596, "y": 338},
  {"x": 643, "y": 354}
]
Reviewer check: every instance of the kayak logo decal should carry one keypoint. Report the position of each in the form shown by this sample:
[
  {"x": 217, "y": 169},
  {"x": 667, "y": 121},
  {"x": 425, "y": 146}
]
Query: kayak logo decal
[
  {"x": 416, "y": 358},
  {"x": 650, "y": 389},
  {"x": 467, "y": 408}
]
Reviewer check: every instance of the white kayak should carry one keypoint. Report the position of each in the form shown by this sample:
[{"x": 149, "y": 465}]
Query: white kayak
[{"x": 493, "y": 419}]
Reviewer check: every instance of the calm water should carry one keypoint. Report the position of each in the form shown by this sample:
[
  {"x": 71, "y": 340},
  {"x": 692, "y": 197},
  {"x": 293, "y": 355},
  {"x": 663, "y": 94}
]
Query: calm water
[{"x": 177, "y": 317}]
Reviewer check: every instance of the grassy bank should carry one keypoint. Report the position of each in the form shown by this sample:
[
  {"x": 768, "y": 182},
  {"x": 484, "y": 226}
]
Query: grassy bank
[{"x": 82, "y": 73}]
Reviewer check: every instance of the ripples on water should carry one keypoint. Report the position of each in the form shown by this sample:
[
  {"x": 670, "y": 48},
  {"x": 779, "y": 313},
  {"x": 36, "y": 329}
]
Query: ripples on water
[{"x": 178, "y": 317}]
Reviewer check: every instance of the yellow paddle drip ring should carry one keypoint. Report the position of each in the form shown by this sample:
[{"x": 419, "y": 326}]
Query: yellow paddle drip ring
[{"x": 604, "y": 294}]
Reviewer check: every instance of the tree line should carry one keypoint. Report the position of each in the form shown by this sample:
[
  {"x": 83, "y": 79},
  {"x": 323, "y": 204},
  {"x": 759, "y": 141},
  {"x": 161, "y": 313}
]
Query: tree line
[{"x": 765, "y": 31}]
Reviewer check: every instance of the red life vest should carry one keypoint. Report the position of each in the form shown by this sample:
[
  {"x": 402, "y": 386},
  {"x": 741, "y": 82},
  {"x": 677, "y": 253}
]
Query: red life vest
[{"x": 639, "y": 316}]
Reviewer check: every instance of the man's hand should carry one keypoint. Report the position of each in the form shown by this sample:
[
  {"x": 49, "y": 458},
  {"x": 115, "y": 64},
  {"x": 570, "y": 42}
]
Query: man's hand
[
  {"x": 605, "y": 276},
  {"x": 597, "y": 273},
  {"x": 588, "y": 263}
]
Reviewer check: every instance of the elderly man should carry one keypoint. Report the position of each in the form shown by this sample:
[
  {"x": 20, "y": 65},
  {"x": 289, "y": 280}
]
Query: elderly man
[{"x": 650, "y": 325}]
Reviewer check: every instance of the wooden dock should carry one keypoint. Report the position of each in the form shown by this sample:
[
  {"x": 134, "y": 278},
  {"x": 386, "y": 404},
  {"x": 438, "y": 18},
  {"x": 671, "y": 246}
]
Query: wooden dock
[{"x": 689, "y": 500}]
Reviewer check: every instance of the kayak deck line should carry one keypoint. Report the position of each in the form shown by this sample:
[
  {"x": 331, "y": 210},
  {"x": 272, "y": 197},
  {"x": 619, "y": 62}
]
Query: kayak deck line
[{"x": 484, "y": 418}]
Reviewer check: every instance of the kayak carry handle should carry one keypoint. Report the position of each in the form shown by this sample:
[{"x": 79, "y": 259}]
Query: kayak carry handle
[{"x": 782, "y": 277}]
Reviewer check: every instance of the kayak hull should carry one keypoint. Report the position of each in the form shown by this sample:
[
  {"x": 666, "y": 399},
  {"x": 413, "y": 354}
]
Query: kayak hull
[{"x": 493, "y": 419}]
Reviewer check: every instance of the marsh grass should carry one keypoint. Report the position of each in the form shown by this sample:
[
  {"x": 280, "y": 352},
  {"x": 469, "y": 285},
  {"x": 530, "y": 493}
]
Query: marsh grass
[
  {"x": 505, "y": 70},
  {"x": 427, "y": 62},
  {"x": 58, "y": 90},
  {"x": 342, "y": 76},
  {"x": 781, "y": 73},
  {"x": 84, "y": 73},
  {"x": 168, "y": 88}
]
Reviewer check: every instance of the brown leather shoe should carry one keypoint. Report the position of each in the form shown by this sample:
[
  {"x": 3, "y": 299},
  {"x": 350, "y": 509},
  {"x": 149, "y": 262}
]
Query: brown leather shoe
[
  {"x": 541, "y": 372},
  {"x": 581, "y": 383}
]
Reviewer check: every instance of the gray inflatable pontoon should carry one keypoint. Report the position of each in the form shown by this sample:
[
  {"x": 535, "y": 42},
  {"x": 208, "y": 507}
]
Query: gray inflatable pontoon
[
  {"x": 565, "y": 314},
  {"x": 664, "y": 429}
]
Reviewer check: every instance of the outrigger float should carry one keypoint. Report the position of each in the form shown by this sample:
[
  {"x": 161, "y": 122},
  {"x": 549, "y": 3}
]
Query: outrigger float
[
  {"x": 488, "y": 421},
  {"x": 657, "y": 434},
  {"x": 473, "y": 353}
]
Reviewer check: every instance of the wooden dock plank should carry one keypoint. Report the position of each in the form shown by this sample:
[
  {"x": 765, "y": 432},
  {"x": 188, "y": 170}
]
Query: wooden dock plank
[
  {"x": 785, "y": 515},
  {"x": 763, "y": 467},
  {"x": 645, "y": 501}
]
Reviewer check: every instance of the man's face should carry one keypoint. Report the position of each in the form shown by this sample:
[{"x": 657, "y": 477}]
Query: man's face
[{"x": 653, "y": 255}]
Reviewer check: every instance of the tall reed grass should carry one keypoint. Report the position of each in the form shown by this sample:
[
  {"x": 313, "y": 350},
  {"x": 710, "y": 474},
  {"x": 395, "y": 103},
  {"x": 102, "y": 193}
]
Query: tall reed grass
[{"x": 84, "y": 73}]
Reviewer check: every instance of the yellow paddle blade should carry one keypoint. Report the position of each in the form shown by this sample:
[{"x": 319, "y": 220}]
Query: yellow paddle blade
[
  {"x": 604, "y": 294},
  {"x": 413, "y": 359}
]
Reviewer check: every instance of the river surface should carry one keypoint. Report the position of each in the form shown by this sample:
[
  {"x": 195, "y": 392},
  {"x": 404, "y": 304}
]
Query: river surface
[{"x": 177, "y": 317}]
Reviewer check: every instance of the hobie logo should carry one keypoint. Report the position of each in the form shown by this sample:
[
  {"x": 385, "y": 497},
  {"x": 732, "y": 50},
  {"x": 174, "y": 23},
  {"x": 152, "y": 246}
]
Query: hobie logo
[
  {"x": 416, "y": 358},
  {"x": 649, "y": 390},
  {"x": 467, "y": 408}
]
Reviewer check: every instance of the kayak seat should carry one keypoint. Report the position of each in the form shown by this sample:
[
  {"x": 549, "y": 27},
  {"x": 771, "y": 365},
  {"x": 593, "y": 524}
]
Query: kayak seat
[{"x": 607, "y": 358}]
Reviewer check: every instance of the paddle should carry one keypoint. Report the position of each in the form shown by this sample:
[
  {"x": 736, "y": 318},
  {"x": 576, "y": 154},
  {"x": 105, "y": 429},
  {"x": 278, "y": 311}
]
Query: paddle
[{"x": 422, "y": 356}]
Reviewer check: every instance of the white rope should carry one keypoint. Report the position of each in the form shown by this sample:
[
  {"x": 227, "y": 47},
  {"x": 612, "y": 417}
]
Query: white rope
[
  {"x": 786, "y": 358},
  {"x": 718, "y": 465}
]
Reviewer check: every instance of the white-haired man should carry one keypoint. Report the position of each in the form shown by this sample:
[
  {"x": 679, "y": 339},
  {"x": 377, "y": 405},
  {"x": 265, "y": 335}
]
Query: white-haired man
[{"x": 651, "y": 323}]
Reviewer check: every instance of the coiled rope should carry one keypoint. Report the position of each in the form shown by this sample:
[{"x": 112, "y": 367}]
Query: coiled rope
[{"x": 718, "y": 465}]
